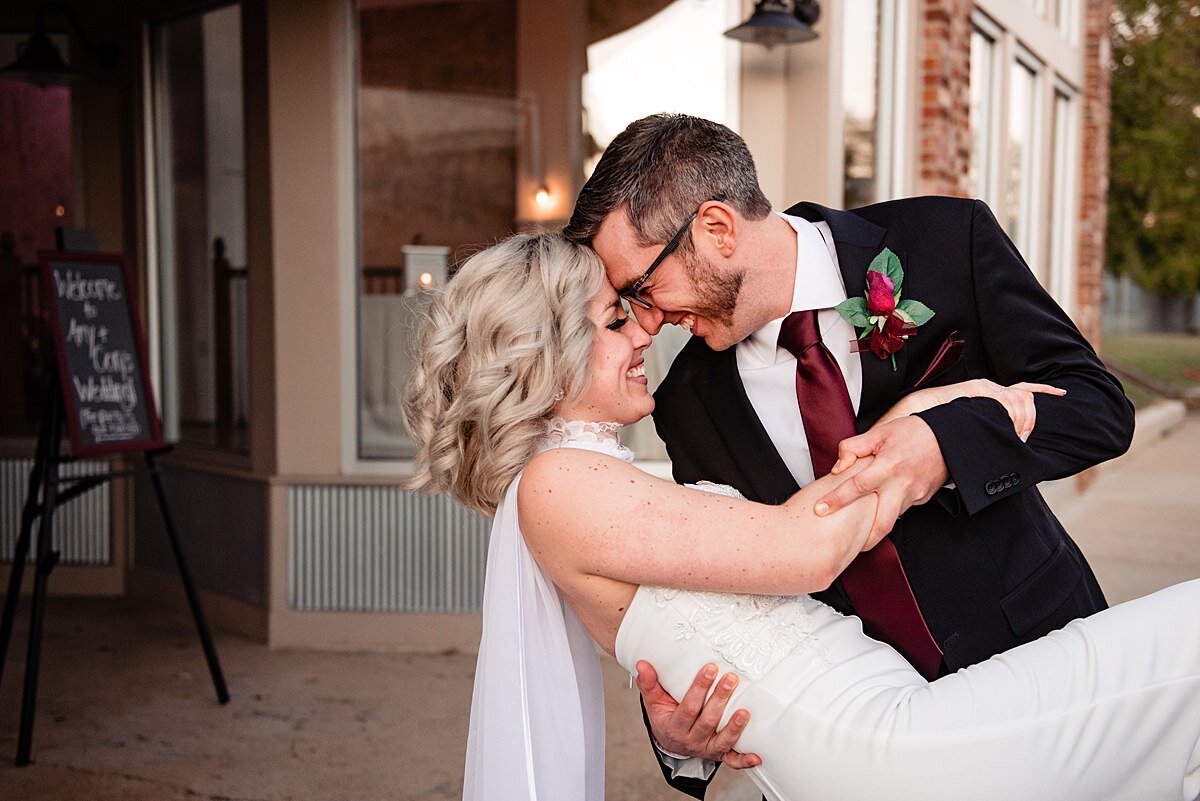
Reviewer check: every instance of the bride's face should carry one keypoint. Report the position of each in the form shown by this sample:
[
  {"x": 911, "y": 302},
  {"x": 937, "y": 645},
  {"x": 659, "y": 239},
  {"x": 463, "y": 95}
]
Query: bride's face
[{"x": 616, "y": 390}]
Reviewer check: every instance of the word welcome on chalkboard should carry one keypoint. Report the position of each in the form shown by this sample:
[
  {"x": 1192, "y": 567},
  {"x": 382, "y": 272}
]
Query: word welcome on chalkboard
[{"x": 101, "y": 353}]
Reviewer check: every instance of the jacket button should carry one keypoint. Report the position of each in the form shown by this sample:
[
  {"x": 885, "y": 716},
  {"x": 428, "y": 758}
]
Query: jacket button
[
  {"x": 1008, "y": 482},
  {"x": 990, "y": 489},
  {"x": 1016, "y": 477}
]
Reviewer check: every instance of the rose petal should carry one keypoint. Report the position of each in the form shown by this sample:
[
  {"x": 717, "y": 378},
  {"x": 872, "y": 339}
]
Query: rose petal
[{"x": 880, "y": 300}]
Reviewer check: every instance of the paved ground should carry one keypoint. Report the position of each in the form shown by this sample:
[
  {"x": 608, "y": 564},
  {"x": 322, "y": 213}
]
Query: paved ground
[{"x": 127, "y": 713}]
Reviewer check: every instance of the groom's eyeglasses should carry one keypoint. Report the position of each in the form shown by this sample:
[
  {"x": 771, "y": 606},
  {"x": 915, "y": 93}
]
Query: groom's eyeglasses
[{"x": 634, "y": 293}]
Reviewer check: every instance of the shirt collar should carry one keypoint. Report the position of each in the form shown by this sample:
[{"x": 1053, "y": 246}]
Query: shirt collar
[{"x": 817, "y": 285}]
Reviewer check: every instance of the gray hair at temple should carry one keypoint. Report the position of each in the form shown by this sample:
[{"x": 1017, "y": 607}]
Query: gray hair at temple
[{"x": 662, "y": 167}]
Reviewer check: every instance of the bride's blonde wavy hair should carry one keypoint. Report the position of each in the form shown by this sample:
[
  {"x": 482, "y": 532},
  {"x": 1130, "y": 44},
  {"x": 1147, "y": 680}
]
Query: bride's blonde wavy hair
[{"x": 509, "y": 333}]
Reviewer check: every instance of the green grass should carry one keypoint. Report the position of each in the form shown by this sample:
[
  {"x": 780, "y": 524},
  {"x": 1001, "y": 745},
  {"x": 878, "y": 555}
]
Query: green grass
[
  {"x": 1138, "y": 395},
  {"x": 1170, "y": 361}
]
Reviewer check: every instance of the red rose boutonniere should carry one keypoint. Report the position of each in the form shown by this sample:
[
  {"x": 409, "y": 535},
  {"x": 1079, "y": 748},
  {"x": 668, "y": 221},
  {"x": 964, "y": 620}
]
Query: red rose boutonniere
[{"x": 886, "y": 320}]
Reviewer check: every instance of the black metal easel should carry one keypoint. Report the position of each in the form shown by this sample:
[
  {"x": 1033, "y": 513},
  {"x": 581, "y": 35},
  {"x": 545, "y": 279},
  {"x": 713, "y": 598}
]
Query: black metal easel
[{"x": 44, "y": 496}]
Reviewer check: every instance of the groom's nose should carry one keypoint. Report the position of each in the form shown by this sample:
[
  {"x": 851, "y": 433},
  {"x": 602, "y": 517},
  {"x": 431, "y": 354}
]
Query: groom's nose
[{"x": 651, "y": 320}]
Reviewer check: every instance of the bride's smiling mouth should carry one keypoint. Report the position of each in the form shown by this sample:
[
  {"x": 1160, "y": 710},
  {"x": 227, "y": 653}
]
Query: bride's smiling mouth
[{"x": 637, "y": 373}]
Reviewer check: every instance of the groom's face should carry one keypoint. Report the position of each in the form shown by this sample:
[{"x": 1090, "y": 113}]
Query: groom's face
[{"x": 696, "y": 290}]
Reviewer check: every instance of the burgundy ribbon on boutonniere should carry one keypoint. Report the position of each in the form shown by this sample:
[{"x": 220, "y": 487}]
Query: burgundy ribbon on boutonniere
[{"x": 886, "y": 320}]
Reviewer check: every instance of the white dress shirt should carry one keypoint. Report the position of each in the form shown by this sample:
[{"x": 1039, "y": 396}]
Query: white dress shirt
[
  {"x": 769, "y": 375},
  {"x": 769, "y": 372}
]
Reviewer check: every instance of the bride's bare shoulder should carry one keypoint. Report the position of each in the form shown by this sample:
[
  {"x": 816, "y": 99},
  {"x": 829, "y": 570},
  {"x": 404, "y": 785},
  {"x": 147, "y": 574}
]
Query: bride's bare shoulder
[{"x": 570, "y": 470}]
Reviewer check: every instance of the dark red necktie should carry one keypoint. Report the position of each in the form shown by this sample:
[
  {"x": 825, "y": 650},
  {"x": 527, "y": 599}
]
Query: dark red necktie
[{"x": 875, "y": 580}]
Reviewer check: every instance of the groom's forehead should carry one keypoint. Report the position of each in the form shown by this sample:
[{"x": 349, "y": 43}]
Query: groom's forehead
[{"x": 616, "y": 242}]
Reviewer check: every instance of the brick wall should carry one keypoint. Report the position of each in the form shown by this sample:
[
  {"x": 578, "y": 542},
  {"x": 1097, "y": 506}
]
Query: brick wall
[
  {"x": 944, "y": 106},
  {"x": 1093, "y": 207}
]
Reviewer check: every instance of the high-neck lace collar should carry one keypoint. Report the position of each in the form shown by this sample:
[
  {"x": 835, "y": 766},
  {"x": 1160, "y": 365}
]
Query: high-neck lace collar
[{"x": 601, "y": 437}]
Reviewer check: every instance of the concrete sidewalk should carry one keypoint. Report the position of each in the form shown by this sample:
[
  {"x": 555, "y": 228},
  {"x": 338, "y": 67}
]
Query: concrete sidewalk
[
  {"x": 1139, "y": 523},
  {"x": 127, "y": 712}
]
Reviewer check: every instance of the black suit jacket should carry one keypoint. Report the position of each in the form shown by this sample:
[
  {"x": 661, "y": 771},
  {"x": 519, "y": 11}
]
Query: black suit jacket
[{"x": 990, "y": 565}]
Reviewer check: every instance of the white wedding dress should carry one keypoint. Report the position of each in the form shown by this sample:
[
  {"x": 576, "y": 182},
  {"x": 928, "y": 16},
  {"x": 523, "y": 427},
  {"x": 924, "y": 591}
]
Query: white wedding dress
[{"x": 1106, "y": 709}]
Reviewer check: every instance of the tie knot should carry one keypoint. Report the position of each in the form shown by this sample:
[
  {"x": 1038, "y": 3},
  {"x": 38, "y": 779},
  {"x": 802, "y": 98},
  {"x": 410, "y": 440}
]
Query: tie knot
[{"x": 799, "y": 332}]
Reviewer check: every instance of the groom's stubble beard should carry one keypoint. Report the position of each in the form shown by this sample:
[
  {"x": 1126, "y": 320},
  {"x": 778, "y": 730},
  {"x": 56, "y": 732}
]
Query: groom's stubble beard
[{"x": 716, "y": 292}]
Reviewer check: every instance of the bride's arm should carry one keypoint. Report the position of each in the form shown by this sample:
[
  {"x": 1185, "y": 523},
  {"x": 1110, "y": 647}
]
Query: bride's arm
[
  {"x": 1016, "y": 399},
  {"x": 587, "y": 514}
]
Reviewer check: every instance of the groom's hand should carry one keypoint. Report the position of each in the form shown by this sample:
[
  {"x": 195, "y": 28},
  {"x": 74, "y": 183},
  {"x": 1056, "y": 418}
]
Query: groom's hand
[
  {"x": 689, "y": 728},
  {"x": 907, "y": 471}
]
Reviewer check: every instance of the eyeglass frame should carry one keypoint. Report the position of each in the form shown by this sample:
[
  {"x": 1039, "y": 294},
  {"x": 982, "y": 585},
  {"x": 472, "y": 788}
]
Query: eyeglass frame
[{"x": 631, "y": 294}]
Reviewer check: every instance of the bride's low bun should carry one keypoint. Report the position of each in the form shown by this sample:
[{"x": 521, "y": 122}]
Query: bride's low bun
[{"x": 508, "y": 334}]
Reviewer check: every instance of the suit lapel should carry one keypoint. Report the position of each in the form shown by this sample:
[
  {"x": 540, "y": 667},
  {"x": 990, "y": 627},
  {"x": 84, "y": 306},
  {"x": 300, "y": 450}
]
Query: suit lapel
[
  {"x": 734, "y": 419},
  {"x": 858, "y": 242}
]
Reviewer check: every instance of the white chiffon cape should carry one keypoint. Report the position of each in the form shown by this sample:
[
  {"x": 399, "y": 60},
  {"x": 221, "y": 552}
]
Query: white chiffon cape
[{"x": 537, "y": 713}]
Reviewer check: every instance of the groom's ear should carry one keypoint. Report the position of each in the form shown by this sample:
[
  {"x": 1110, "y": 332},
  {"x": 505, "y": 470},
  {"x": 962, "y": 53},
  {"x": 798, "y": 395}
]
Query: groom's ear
[{"x": 716, "y": 228}]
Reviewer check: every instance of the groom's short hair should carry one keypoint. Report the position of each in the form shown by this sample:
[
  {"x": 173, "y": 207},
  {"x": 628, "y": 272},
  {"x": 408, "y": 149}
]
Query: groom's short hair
[{"x": 664, "y": 166}]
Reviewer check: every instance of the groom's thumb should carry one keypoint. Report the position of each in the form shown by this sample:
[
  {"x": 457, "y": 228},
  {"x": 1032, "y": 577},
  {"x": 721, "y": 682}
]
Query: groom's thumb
[
  {"x": 852, "y": 449},
  {"x": 647, "y": 678}
]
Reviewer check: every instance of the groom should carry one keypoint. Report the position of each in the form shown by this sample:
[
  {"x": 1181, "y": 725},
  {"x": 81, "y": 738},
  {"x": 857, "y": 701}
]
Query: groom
[{"x": 774, "y": 379}]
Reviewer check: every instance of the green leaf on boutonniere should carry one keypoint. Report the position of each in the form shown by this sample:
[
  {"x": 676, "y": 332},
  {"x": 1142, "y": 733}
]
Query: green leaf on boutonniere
[
  {"x": 854, "y": 311},
  {"x": 888, "y": 263},
  {"x": 915, "y": 310}
]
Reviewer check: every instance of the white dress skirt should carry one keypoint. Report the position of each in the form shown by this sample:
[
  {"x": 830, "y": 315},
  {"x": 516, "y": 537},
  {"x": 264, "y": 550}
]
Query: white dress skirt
[{"x": 1106, "y": 709}]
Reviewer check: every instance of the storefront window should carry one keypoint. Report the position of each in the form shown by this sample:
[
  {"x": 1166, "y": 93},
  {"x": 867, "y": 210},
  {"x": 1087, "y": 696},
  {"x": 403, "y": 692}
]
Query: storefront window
[
  {"x": 36, "y": 197},
  {"x": 984, "y": 95},
  {"x": 676, "y": 60},
  {"x": 200, "y": 170},
  {"x": 438, "y": 123},
  {"x": 1024, "y": 170},
  {"x": 860, "y": 83},
  {"x": 1065, "y": 150}
]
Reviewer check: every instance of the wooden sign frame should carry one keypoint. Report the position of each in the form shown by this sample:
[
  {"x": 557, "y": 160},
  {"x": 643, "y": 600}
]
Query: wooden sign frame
[{"x": 154, "y": 440}]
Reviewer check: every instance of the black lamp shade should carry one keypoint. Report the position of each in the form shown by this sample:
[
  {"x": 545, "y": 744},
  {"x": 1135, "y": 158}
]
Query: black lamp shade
[
  {"x": 39, "y": 62},
  {"x": 772, "y": 24}
]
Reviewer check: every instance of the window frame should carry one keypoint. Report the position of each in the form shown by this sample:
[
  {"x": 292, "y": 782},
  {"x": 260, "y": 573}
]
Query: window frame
[
  {"x": 1063, "y": 196},
  {"x": 154, "y": 139},
  {"x": 989, "y": 170}
]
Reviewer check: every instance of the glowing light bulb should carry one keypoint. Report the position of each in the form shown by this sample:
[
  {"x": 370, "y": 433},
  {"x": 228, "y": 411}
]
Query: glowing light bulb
[
  {"x": 543, "y": 197},
  {"x": 426, "y": 280},
  {"x": 60, "y": 210}
]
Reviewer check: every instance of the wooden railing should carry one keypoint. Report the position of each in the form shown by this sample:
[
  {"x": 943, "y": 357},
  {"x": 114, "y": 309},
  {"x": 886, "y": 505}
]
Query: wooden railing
[
  {"x": 384, "y": 280},
  {"x": 229, "y": 284}
]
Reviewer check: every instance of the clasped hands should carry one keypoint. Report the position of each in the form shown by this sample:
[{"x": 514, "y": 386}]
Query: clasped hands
[{"x": 908, "y": 469}]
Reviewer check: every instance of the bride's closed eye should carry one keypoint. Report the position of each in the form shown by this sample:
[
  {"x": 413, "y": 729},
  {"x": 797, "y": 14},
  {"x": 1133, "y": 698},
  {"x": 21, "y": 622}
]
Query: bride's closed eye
[{"x": 616, "y": 324}]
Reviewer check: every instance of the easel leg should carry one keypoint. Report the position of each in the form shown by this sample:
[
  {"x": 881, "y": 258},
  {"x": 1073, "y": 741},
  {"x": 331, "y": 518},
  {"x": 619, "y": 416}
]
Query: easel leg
[
  {"x": 45, "y": 563},
  {"x": 210, "y": 651},
  {"x": 21, "y": 550}
]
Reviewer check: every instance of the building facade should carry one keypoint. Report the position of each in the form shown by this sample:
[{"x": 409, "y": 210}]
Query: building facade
[{"x": 288, "y": 178}]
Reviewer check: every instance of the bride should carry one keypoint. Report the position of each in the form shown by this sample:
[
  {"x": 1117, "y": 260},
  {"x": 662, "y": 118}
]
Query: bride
[{"x": 527, "y": 369}]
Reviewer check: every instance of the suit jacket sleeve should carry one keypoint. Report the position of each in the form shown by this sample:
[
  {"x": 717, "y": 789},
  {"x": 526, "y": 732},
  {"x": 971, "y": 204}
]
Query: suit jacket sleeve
[{"x": 1025, "y": 336}]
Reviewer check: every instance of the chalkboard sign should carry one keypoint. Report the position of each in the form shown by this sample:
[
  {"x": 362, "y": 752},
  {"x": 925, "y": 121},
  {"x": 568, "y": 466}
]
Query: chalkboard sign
[{"x": 92, "y": 315}]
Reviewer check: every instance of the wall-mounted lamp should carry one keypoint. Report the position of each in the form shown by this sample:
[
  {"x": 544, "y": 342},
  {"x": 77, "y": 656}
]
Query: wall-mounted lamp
[
  {"x": 543, "y": 198},
  {"x": 38, "y": 60},
  {"x": 425, "y": 266},
  {"x": 774, "y": 23}
]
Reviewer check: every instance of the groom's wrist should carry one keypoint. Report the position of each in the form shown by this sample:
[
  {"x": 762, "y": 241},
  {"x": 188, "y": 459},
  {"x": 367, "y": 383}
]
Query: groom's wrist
[{"x": 658, "y": 747}]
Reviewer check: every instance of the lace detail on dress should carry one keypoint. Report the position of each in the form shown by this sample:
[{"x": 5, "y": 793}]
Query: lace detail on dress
[
  {"x": 751, "y": 632},
  {"x": 602, "y": 437},
  {"x": 716, "y": 489}
]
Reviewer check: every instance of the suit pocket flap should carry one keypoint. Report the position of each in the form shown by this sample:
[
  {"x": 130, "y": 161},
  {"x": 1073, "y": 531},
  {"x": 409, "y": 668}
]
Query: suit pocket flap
[{"x": 1048, "y": 588}]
